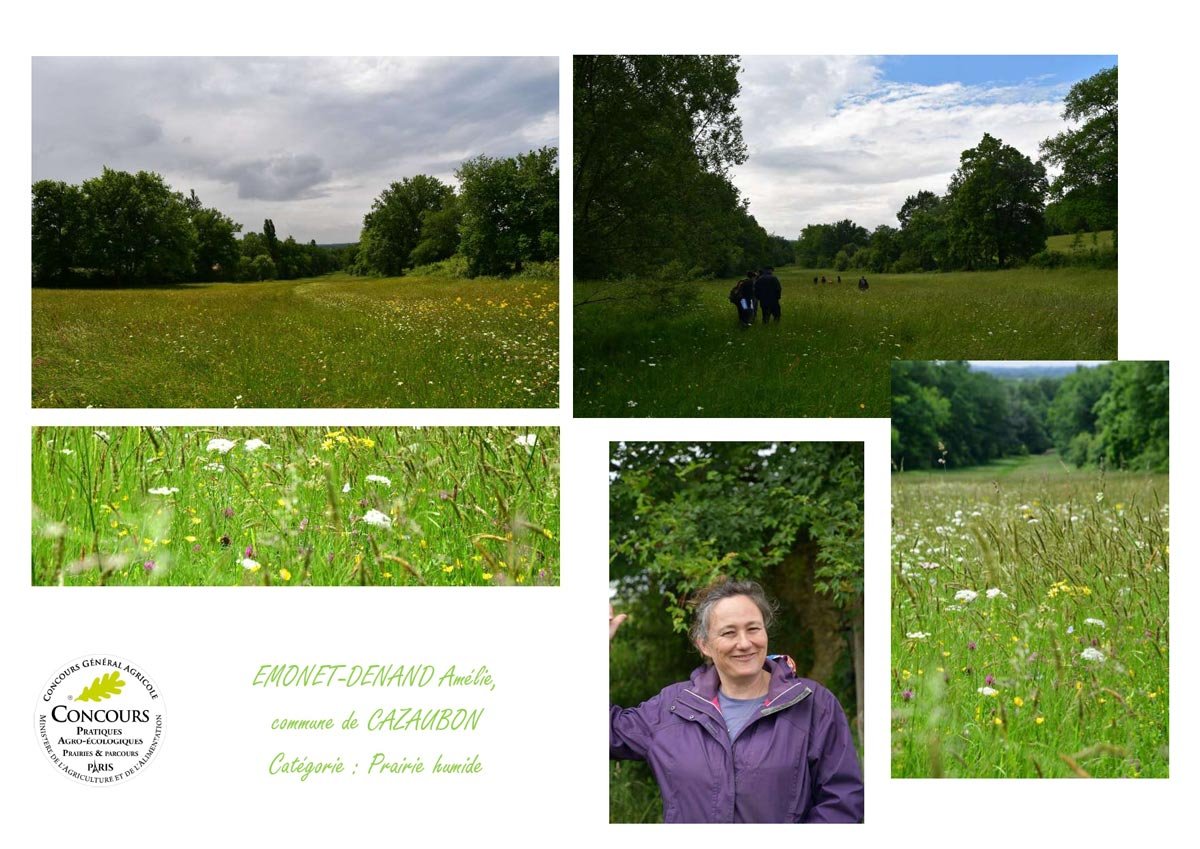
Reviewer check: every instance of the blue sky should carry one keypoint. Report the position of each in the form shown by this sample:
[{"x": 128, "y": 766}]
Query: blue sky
[
  {"x": 833, "y": 137},
  {"x": 992, "y": 70}
]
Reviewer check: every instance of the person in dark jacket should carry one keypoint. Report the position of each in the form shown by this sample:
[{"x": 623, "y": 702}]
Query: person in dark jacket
[
  {"x": 745, "y": 740},
  {"x": 863, "y": 285},
  {"x": 768, "y": 290},
  {"x": 742, "y": 297}
]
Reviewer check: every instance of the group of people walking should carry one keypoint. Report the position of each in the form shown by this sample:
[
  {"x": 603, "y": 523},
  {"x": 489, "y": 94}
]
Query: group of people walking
[
  {"x": 757, "y": 289},
  {"x": 762, "y": 290}
]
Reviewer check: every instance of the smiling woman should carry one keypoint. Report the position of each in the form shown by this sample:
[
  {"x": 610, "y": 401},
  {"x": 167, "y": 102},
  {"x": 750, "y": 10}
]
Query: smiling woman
[{"x": 745, "y": 739}]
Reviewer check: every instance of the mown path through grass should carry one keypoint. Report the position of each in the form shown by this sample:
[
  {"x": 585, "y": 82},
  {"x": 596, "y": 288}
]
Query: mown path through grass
[
  {"x": 327, "y": 342},
  {"x": 1030, "y": 627},
  {"x": 831, "y": 354}
]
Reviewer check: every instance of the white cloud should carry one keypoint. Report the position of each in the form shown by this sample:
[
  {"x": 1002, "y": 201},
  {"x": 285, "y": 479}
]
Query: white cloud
[{"x": 830, "y": 138}]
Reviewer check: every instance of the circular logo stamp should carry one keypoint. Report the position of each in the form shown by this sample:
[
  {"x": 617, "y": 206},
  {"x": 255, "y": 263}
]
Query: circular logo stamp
[{"x": 100, "y": 719}]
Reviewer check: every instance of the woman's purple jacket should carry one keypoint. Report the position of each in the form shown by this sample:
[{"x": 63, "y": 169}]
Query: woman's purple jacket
[{"x": 793, "y": 762}]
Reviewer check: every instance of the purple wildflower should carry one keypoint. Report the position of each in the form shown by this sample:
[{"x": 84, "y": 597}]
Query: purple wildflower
[
  {"x": 907, "y": 695},
  {"x": 990, "y": 679},
  {"x": 228, "y": 512},
  {"x": 249, "y": 551},
  {"x": 971, "y": 646},
  {"x": 148, "y": 565}
]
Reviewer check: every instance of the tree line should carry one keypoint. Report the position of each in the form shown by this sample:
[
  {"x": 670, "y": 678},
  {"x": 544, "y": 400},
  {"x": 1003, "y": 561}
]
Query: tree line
[
  {"x": 503, "y": 217},
  {"x": 1115, "y": 416},
  {"x": 994, "y": 212},
  {"x": 128, "y": 229}
]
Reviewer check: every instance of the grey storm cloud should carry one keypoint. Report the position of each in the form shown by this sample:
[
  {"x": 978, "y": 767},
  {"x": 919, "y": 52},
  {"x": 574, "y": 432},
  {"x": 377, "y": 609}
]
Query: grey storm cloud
[
  {"x": 283, "y": 177},
  {"x": 308, "y": 142}
]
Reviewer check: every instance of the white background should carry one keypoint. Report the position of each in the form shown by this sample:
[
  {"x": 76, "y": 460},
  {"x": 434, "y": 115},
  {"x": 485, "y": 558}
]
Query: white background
[{"x": 543, "y": 737}]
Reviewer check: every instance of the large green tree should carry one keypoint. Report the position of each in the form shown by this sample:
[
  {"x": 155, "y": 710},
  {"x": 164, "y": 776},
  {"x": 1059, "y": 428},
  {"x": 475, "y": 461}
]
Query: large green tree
[
  {"x": 655, "y": 137},
  {"x": 217, "y": 249},
  {"x": 996, "y": 206},
  {"x": 509, "y": 211},
  {"x": 138, "y": 229},
  {"x": 59, "y": 235},
  {"x": 1086, "y": 188},
  {"x": 393, "y": 227}
]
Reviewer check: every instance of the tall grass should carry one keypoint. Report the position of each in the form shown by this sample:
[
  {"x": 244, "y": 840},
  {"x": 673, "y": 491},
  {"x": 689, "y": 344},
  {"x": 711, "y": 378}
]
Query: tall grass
[
  {"x": 831, "y": 354},
  {"x": 327, "y": 342},
  {"x": 350, "y": 506},
  {"x": 1058, "y": 664}
]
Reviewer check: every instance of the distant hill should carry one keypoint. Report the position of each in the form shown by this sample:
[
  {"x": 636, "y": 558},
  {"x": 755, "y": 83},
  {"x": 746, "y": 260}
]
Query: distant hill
[
  {"x": 338, "y": 245},
  {"x": 1033, "y": 371}
]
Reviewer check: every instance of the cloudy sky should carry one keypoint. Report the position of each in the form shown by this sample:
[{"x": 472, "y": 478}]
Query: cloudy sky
[
  {"x": 306, "y": 142},
  {"x": 834, "y": 137}
]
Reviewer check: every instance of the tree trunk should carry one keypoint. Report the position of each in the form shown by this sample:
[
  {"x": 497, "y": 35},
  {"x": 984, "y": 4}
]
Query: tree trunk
[{"x": 792, "y": 584}]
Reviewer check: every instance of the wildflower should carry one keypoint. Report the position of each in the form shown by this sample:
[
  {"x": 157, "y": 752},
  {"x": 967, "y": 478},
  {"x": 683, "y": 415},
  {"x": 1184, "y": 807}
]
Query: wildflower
[
  {"x": 997, "y": 721},
  {"x": 917, "y": 635},
  {"x": 222, "y": 445},
  {"x": 190, "y": 538},
  {"x": 1040, "y": 720},
  {"x": 526, "y": 441},
  {"x": 996, "y": 592},
  {"x": 1094, "y": 655},
  {"x": 251, "y": 564},
  {"x": 907, "y": 695},
  {"x": 379, "y": 479},
  {"x": 101, "y": 435},
  {"x": 214, "y": 467},
  {"x": 971, "y": 646},
  {"x": 285, "y": 575},
  {"x": 164, "y": 490},
  {"x": 346, "y": 488},
  {"x": 1018, "y": 701},
  {"x": 379, "y": 520},
  {"x": 925, "y": 564},
  {"x": 148, "y": 565},
  {"x": 249, "y": 551},
  {"x": 966, "y": 595},
  {"x": 990, "y": 679},
  {"x": 228, "y": 511},
  {"x": 987, "y": 691},
  {"x": 253, "y": 444},
  {"x": 67, "y": 451},
  {"x": 628, "y": 404},
  {"x": 1091, "y": 621},
  {"x": 304, "y": 523},
  {"x": 487, "y": 576}
]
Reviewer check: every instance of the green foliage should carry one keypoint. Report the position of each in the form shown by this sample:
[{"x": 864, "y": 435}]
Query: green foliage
[
  {"x": 509, "y": 211},
  {"x": 393, "y": 228},
  {"x": 138, "y": 229},
  {"x": 655, "y": 137},
  {"x": 102, "y": 687},
  {"x": 995, "y": 206},
  {"x": 292, "y": 506},
  {"x": 945, "y": 414},
  {"x": 820, "y": 244},
  {"x": 262, "y": 267},
  {"x": 334, "y": 341},
  {"x": 59, "y": 231},
  {"x": 217, "y": 249},
  {"x": 1087, "y": 154}
]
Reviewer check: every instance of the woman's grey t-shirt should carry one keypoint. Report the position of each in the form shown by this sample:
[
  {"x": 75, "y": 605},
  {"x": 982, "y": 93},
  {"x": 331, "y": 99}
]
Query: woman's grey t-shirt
[{"x": 737, "y": 712}]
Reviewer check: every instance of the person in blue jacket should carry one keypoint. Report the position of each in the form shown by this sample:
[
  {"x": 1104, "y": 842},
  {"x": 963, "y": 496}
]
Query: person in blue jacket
[{"x": 745, "y": 739}]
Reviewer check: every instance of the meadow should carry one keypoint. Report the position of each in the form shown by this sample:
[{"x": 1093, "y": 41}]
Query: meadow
[
  {"x": 1067, "y": 243},
  {"x": 137, "y": 506},
  {"x": 336, "y": 341},
  {"x": 1029, "y": 622},
  {"x": 831, "y": 353}
]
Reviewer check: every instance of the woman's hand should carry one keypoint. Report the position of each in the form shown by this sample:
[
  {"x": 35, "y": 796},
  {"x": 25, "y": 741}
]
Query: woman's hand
[{"x": 614, "y": 622}]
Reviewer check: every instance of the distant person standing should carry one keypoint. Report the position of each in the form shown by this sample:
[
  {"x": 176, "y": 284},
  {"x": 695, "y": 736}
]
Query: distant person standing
[
  {"x": 768, "y": 290},
  {"x": 862, "y": 284}
]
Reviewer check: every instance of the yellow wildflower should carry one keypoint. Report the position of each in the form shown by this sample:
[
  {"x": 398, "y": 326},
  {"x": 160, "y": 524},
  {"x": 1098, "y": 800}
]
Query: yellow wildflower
[{"x": 285, "y": 575}]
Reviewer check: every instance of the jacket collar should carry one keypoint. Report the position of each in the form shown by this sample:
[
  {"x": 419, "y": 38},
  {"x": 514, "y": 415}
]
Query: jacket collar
[{"x": 785, "y": 688}]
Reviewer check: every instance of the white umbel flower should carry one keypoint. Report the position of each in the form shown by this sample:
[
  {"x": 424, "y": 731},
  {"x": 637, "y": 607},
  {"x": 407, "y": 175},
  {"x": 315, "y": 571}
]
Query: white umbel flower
[
  {"x": 379, "y": 479},
  {"x": 222, "y": 445},
  {"x": 254, "y": 445},
  {"x": 164, "y": 490},
  {"x": 379, "y": 520},
  {"x": 966, "y": 595},
  {"x": 1094, "y": 655}
]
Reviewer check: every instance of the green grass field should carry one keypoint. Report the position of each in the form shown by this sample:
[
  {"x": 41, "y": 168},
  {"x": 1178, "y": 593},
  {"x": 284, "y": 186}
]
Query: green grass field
[
  {"x": 1066, "y": 243},
  {"x": 1029, "y": 622},
  {"x": 352, "y": 506},
  {"x": 335, "y": 341},
  {"x": 832, "y": 352}
]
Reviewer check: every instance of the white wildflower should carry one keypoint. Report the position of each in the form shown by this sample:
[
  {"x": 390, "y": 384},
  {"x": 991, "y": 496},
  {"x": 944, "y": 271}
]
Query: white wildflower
[
  {"x": 164, "y": 490},
  {"x": 346, "y": 487},
  {"x": 996, "y": 592},
  {"x": 1094, "y": 655},
  {"x": 917, "y": 635},
  {"x": 927, "y": 564},
  {"x": 67, "y": 451},
  {"x": 250, "y": 564},
  {"x": 527, "y": 441},
  {"x": 1090, "y": 621},
  {"x": 214, "y": 467},
  {"x": 988, "y": 691},
  {"x": 966, "y": 595},
  {"x": 379, "y": 520},
  {"x": 379, "y": 479},
  {"x": 222, "y": 445},
  {"x": 253, "y": 444},
  {"x": 101, "y": 434}
]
